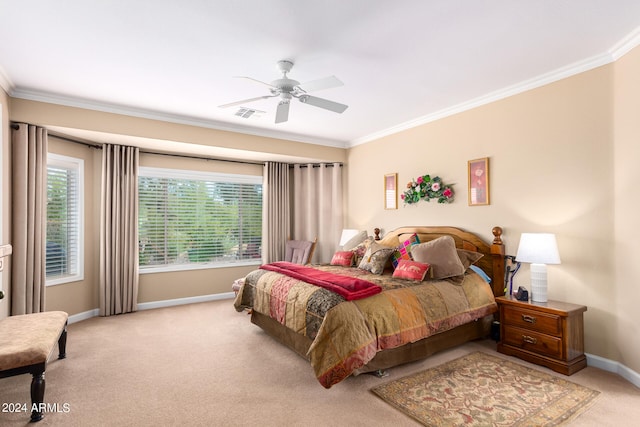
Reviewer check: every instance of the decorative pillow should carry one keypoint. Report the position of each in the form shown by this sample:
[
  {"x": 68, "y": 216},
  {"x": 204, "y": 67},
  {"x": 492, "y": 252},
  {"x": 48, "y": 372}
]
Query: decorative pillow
[
  {"x": 344, "y": 258},
  {"x": 360, "y": 249},
  {"x": 411, "y": 270},
  {"x": 441, "y": 255},
  {"x": 375, "y": 258},
  {"x": 468, "y": 257},
  {"x": 481, "y": 273},
  {"x": 354, "y": 241},
  {"x": 404, "y": 250}
]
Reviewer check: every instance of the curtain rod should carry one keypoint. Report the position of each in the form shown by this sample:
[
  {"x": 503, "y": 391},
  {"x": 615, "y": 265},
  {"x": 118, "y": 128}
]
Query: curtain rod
[
  {"x": 185, "y": 156},
  {"x": 316, "y": 165},
  {"x": 76, "y": 141}
]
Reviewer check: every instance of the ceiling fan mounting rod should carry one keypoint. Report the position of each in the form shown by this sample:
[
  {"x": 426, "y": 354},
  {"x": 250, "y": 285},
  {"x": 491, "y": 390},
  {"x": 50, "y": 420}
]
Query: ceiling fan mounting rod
[{"x": 285, "y": 66}]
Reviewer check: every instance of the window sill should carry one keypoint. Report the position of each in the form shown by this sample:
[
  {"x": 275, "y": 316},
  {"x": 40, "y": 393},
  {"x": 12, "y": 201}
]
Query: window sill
[
  {"x": 64, "y": 280},
  {"x": 187, "y": 267}
]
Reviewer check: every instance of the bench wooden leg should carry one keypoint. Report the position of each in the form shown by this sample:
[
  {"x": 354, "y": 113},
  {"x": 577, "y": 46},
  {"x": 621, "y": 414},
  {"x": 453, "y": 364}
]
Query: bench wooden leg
[
  {"x": 62, "y": 343},
  {"x": 37, "y": 396}
]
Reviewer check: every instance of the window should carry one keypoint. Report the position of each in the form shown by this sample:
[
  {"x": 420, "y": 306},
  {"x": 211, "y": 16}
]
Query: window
[
  {"x": 190, "y": 219},
  {"x": 64, "y": 252}
]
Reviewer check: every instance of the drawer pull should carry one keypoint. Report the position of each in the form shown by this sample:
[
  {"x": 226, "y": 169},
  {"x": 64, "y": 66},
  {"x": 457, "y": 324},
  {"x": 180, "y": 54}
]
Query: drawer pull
[
  {"x": 529, "y": 340},
  {"x": 528, "y": 319}
]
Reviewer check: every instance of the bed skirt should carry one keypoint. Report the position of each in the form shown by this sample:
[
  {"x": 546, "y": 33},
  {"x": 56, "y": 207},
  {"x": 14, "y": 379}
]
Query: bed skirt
[{"x": 388, "y": 358}]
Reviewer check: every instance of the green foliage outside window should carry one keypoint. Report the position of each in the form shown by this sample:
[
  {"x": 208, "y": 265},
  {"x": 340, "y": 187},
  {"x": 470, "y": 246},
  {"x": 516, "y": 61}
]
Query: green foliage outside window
[{"x": 184, "y": 221}]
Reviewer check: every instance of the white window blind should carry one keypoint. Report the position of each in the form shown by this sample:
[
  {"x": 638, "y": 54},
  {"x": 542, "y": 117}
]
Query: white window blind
[
  {"x": 192, "y": 220},
  {"x": 64, "y": 251}
]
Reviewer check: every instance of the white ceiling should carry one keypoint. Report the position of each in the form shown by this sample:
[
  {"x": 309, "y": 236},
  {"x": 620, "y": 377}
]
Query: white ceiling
[{"x": 403, "y": 62}]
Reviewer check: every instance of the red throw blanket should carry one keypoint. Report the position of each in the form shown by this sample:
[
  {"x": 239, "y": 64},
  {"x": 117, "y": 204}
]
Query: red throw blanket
[{"x": 351, "y": 288}]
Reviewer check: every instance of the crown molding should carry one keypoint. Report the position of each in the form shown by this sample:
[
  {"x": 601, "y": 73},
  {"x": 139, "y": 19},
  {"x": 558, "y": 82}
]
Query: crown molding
[
  {"x": 542, "y": 80},
  {"x": 5, "y": 82},
  {"x": 618, "y": 50},
  {"x": 625, "y": 45},
  {"x": 171, "y": 118}
]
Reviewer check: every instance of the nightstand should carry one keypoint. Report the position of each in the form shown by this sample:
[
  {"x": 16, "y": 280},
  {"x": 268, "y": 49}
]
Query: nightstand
[{"x": 550, "y": 334}]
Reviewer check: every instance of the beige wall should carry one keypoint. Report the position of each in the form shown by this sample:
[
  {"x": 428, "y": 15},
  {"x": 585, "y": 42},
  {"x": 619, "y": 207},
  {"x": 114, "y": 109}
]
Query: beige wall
[
  {"x": 44, "y": 114},
  {"x": 560, "y": 162},
  {"x": 625, "y": 276}
]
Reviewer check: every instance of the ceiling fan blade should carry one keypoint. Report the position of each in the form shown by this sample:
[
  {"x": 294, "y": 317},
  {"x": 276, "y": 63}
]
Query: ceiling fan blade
[
  {"x": 323, "y": 103},
  {"x": 245, "y": 101},
  {"x": 321, "y": 84},
  {"x": 282, "y": 113},
  {"x": 257, "y": 81}
]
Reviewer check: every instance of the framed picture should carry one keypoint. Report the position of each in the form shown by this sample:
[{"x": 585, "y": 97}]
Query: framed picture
[
  {"x": 391, "y": 191},
  {"x": 478, "y": 174}
]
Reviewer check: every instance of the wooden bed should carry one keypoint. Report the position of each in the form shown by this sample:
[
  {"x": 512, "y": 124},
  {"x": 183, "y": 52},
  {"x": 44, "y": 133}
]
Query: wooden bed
[{"x": 492, "y": 263}]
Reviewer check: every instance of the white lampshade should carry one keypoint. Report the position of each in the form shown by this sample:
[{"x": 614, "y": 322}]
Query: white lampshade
[
  {"x": 347, "y": 234},
  {"x": 539, "y": 249}
]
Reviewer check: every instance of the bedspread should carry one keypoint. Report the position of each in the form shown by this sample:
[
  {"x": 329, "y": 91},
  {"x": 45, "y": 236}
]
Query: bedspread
[{"x": 346, "y": 335}]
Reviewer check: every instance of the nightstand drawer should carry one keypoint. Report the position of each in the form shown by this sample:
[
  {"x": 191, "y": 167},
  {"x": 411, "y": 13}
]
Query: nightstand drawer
[
  {"x": 533, "y": 320},
  {"x": 550, "y": 334},
  {"x": 533, "y": 341}
]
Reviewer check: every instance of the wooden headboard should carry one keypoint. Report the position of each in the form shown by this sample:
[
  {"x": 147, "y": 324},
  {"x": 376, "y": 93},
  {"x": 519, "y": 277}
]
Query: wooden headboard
[{"x": 491, "y": 263}]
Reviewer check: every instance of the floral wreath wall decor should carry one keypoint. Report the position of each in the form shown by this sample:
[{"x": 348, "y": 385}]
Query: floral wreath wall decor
[{"x": 426, "y": 188}]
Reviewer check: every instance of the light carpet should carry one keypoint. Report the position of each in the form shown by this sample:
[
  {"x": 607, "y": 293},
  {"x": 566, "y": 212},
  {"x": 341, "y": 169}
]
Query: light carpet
[{"x": 484, "y": 390}]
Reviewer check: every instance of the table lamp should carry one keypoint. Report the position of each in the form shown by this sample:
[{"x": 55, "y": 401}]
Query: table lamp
[
  {"x": 347, "y": 234},
  {"x": 538, "y": 249}
]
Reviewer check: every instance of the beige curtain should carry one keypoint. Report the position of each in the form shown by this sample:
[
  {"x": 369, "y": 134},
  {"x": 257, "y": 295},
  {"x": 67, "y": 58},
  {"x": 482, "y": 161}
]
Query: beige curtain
[
  {"x": 119, "y": 230},
  {"x": 317, "y": 207},
  {"x": 29, "y": 217},
  {"x": 276, "y": 219}
]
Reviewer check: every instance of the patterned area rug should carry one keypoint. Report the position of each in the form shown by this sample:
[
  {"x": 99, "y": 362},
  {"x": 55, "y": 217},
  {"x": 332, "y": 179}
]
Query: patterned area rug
[{"x": 483, "y": 390}]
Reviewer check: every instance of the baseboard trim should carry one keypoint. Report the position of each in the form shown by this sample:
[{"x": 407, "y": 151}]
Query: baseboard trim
[
  {"x": 83, "y": 316},
  {"x": 182, "y": 301},
  {"x": 615, "y": 367},
  {"x": 156, "y": 304}
]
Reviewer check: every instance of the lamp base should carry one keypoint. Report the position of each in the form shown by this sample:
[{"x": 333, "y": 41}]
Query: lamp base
[{"x": 539, "y": 282}]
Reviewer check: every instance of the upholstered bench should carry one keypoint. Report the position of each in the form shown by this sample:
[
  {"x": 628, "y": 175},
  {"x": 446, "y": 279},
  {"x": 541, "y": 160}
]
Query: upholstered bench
[{"x": 26, "y": 342}]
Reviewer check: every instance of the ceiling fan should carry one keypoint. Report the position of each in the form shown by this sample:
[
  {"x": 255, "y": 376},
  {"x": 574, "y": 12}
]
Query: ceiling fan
[{"x": 287, "y": 89}]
